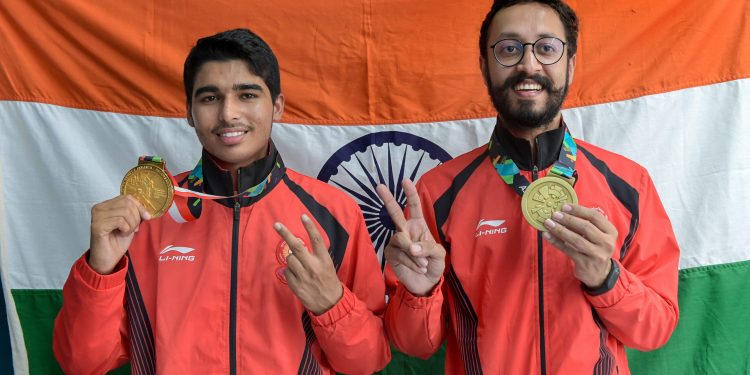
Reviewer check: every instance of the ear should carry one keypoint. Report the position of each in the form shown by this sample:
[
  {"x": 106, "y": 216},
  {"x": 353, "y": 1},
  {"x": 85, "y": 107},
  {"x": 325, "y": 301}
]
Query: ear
[
  {"x": 278, "y": 107},
  {"x": 571, "y": 68},
  {"x": 190, "y": 116}
]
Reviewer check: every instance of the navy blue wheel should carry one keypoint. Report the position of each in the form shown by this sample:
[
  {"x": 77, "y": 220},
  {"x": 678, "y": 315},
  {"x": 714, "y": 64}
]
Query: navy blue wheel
[{"x": 386, "y": 158}]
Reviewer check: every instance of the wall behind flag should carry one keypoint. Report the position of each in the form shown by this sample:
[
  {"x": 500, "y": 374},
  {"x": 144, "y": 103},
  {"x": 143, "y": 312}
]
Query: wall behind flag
[{"x": 87, "y": 86}]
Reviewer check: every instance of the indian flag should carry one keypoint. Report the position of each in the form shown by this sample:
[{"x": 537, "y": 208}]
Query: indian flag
[{"x": 376, "y": 91}]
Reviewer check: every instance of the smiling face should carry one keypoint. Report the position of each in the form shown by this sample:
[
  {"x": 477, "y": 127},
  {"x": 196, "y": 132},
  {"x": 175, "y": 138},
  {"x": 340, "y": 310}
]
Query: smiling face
[
  {"x": 232, "y": 112},
  {"x": 528, "y": 95}
]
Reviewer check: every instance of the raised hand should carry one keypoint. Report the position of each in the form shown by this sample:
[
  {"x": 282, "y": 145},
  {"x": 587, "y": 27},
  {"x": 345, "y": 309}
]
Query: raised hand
[
  {"x": 113, "y": 224},
  {"x": 587, "y": 237},
  {"x": 311, "y": 275},
  {"x": 417, "y": 260}
]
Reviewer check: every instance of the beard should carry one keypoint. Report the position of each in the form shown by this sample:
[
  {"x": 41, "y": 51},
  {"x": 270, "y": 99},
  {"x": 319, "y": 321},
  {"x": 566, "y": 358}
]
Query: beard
[{"x": 523, "y": 115}]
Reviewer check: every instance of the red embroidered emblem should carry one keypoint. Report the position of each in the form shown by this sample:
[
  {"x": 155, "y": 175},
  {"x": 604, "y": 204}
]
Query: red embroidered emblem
[{"x": 282, "y": 252}]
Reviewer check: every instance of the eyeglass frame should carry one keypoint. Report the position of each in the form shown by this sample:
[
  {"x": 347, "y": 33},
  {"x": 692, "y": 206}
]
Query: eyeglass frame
[{"x": 523, "y": 50}]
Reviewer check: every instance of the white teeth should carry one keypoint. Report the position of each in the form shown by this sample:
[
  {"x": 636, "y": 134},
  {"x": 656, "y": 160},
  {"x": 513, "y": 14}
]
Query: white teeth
[
  {"x": 231, "y": 134},
  {"x": 528, "y": 86}
]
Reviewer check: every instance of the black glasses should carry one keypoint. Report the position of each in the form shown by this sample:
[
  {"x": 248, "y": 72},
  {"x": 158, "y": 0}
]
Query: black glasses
[{"x": 509, "y": 52}]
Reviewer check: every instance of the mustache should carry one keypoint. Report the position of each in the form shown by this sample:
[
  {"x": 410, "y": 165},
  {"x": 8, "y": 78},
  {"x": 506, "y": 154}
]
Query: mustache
[{"x": 225, "y": 125}]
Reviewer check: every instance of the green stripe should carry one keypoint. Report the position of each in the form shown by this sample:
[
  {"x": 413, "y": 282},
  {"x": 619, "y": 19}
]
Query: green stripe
[{"x": 712, "y": 336}]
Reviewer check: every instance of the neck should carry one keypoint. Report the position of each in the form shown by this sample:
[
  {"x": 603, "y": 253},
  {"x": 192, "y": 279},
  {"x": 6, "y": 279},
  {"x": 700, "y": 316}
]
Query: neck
[{"x": 530, "y": 134}]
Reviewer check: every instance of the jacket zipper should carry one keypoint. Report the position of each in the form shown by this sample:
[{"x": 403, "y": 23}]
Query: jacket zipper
[
  {"x": 233, "y": 289},
  {"x": 540, "y": 279}
]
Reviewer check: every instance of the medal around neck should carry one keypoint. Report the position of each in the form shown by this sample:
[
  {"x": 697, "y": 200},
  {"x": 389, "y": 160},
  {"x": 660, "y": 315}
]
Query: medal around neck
[
  {"x": 150, "y": 184},
  {"x": 545, "y": 196}
]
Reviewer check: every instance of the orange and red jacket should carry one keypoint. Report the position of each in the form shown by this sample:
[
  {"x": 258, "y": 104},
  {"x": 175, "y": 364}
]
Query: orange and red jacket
[
  {"x": 208, "y": 296},
  {"x": 509, "y": 302}
]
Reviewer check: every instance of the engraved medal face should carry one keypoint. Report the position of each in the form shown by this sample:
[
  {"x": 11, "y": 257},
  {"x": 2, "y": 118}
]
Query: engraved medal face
[
  {"x": 545, "y": 196},
  {"x": 151, "y": 186}
]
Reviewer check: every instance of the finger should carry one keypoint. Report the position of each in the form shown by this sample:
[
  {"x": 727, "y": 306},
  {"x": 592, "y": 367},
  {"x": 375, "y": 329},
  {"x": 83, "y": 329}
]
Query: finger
[
  {"x": 316, "y": 240},
  {"x": 141, "y": 209},
  {"x": 427, "y": 249},
  {"x": 412, "y": 199},
  {"x": 295, "y": 266},
  {"x": 117, "y": 223},
  {"x": 580, "y": 226},
  {"x": 573, "y": 239},
  {"x": 291, "y": 280},
  {"x": 397, "y": 258},
  {"x": 561, "y": 245},
  {"x": 392, "y": 207},
  {"x": 295, "y": 244},
  {"x": 596, "y": 217},
  {"x": 129, "y": 214},
  {"x": 400, "y": 240}
]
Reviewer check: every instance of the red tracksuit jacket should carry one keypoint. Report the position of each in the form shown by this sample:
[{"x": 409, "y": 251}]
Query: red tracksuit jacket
[
  {"x": 509, "y": 302},
  {"x": 219, "y": 305}
]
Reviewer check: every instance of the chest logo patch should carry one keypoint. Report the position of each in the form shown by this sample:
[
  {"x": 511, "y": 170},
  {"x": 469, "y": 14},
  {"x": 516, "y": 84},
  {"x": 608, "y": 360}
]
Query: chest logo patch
[
  {"x": 173, "y": 253},
  {"x": 490, "y": 227}
]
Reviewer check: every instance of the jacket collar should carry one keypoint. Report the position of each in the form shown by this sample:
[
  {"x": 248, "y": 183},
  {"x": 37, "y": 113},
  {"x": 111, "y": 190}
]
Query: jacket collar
[
  {"x": 548, "y": 147},
  {"x": 218, "y": 181}
]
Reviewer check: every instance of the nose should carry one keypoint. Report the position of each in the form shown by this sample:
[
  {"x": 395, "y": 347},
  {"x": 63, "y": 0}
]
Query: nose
[
  {"x": 229, "y": 110},
  {"x": 528, "y": 63}
]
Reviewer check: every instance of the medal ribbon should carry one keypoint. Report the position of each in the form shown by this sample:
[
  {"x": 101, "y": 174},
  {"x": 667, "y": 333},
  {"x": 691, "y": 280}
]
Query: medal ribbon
[
  {"x": 186, "y": 202},
  {"x": 564, "y": 167}
]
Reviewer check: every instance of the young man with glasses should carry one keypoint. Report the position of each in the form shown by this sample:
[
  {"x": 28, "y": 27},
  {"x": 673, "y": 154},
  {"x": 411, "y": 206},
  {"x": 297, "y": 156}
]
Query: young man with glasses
[{"x": 543, "y": 253}]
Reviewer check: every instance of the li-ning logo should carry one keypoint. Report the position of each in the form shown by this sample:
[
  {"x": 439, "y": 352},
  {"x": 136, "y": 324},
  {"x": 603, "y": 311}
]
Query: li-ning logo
[
  {"x": 494, "y": 227},
  {"x": 164, "y": 257}
]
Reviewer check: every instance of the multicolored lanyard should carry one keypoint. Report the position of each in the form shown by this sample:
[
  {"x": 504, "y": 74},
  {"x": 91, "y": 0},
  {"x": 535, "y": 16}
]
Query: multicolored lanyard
[
  {"x": 564, "y": 167},
  {"x": 186, "y": 203}
]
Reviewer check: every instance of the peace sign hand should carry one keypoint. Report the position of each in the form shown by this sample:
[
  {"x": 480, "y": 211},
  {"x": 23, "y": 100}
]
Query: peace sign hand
[
  {"x": 311, "y": 275},
  {"x": 417, "y": 260}
]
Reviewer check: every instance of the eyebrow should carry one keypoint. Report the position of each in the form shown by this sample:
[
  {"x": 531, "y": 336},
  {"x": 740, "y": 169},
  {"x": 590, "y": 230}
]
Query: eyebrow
[
  {"x": 235, "y": 87},
  {"x": 204, "y": 89},
  {"x": 247, "y": 86}
]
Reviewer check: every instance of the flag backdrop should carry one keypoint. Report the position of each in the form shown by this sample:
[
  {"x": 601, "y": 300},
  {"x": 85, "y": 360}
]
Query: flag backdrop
[{"x": 374, "y": 89}]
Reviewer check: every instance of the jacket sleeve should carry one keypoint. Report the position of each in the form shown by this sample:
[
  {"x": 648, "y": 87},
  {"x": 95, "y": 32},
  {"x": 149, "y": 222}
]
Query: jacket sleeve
[
  {"x": 416, "y": 325},
  {"x": 351, "y": 333},
  {"x": 91, "y": 334},
  {"x": 641, "y": 308}
]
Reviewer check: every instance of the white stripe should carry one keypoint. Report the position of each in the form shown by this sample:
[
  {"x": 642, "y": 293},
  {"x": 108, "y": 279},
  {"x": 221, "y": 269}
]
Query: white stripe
[{"x": 57, "y": 162}]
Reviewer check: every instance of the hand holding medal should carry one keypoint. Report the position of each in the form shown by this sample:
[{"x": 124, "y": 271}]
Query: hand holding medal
[
  {"x": 550, "y": 204},
  {"x": 587, "y": 237}
]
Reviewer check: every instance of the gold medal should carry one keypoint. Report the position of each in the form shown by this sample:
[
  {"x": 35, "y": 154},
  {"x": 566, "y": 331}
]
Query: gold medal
[
  {"x": 545, "y": 196},
  {"x": 150, "y": 184}
]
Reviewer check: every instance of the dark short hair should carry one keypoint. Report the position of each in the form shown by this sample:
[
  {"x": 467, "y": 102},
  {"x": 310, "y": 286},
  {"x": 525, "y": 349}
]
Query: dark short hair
[
  {"x": 237, "y": 44},
  {"x": 566, "y": 14}
]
